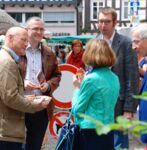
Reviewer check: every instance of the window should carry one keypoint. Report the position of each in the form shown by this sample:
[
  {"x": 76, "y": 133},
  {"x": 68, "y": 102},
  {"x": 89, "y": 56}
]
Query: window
[
  {"x": 23, "y": 17},
  {"x": 125, "y": 10},
  {"x": 96, "y": 6},
  {"x": 28, "y": 15},
  {"x": 16, "y": 16},
  {"x": 58, "y": 17}
]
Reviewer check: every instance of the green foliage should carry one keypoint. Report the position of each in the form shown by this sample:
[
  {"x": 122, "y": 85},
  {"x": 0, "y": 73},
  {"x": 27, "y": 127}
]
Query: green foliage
[
  {"x": 85, "y": 30},
  {"x": 142, "y": 96},
  {"x": 127, "y": 126}
]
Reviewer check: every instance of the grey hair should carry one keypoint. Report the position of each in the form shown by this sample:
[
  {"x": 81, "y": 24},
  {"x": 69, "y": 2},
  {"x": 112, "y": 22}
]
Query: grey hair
[
  {"x": 142, "y": 29},
  {"x": 33, "y": 19}
]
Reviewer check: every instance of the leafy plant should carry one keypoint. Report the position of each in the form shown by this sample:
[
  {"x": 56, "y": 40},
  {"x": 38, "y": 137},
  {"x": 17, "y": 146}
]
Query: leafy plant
[
  {"x": 127, "y": 126},
  {"x": 85, "y": 30},
  {"x": 143, "y": 96}
]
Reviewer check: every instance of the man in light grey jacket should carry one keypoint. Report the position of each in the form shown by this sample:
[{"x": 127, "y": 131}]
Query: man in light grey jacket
[{"x": 12, "y": 101}]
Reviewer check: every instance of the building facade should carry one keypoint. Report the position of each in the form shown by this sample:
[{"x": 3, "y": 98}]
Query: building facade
[
  {"x": 129, "y": 12},
  {"x": 60, "y": 16},
  {"x": 72, "y": 17}
]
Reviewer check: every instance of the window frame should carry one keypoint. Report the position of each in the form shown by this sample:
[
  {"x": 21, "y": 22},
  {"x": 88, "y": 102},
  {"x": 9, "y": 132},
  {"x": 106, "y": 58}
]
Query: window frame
[
  {"x": 124, "y": 11},
  {"x": 98, "y": 7},
  {"x": 15, "y": 17},
  {"x": 58, "y": 20}
]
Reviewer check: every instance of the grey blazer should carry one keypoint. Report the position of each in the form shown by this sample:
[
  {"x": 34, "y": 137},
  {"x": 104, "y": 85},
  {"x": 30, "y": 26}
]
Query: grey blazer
[{"x": 127, "y": 70}]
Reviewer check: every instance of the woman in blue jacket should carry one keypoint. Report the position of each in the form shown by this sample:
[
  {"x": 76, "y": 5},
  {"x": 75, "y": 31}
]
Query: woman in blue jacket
[{"x": 96, "y": 95}]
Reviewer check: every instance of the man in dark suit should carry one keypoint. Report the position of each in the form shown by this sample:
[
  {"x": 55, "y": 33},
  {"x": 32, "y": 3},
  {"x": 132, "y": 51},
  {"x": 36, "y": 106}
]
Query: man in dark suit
[
  {"x": 139, "y": 42},
  {"x": 126, "y": 68}
]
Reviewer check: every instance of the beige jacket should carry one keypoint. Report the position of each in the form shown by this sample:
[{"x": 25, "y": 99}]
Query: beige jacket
[{"x": 12, "y": 102}]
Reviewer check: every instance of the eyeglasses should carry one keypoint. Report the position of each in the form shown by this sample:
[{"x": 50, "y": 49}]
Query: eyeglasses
[
  {"x": 37, "y": 29},
  {"x": 136, "y": 41},
  {"x": 105, "y": 21}
]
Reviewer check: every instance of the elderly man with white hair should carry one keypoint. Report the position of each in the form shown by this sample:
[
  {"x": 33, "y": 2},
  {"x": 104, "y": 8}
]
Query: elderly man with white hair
[{"x": 139, "y": 42}]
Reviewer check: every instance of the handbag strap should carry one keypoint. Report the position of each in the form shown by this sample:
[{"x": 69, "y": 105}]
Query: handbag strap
[
  {"x": 70, "y": 115},
  {"x": 65, "y": 136}
]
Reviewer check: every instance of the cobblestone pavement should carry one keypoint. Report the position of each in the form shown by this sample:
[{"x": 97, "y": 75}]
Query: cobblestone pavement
[{"x": 50, "y": 144}]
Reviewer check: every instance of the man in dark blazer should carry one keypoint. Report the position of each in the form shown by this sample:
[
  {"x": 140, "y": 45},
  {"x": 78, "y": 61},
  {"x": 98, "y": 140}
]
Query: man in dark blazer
[
  {"x": 126, "y": 68},
  {"x": 139, "y": 42}
]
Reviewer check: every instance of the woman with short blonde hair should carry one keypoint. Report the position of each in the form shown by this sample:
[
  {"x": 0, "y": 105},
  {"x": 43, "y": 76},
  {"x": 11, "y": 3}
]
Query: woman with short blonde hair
[
  {"x": 95, "y": 95},
  {"x": 98, "y": 54}
]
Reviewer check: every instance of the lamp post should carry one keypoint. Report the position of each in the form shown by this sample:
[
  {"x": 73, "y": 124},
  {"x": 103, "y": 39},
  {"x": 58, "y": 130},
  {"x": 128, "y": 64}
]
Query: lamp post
[{"x": 79, "y": 10}]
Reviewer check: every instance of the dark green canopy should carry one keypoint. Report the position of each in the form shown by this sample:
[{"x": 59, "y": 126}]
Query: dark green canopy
[{"x": 69, "y": 39}]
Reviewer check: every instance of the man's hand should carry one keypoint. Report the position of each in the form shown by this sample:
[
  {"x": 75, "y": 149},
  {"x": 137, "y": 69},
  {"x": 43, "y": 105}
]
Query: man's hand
[
  {"x": 30, "y": 97},
  {"x": 44, "y": 87},
  {"x": 42, "y": 105},
  {"x": 29, "y": 86}
]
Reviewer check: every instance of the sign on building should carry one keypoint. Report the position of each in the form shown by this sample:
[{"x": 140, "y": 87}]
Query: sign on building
[
  {"x": 134, "y": 15},
  {"x": 134, "y": 6}
]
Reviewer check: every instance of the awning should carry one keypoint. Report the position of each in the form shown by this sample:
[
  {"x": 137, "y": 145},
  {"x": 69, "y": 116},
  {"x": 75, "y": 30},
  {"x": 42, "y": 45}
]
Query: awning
[
  {"x": 6, "y": 21},
  {"x": 69, "y": 39}
]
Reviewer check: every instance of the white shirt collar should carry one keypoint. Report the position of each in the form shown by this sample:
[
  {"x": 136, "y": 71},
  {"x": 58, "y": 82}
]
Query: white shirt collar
[
  {"x": 111, "y": 38},
  {"x": 29, "y": 47}
]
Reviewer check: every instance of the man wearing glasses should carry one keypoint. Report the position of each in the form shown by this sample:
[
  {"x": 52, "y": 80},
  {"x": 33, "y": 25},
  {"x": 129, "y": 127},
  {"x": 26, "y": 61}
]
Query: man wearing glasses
[
  {"x": 126, "y": 68},
  {"x": 41, "y": 77},
  {"x": 139, "y": 42}
]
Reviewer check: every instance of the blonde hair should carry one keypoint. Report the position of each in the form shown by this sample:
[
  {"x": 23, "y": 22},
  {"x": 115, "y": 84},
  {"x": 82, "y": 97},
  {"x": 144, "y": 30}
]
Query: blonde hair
[{"x": 98, "y": 54}]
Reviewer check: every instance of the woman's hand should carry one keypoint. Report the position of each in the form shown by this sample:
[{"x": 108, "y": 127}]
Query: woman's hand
[
  {"x": 76, "y": 82},
  {"x": 80, "y": 74}
]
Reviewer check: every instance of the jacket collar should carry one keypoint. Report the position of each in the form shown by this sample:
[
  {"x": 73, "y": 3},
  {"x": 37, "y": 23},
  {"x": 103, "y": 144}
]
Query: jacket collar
[
  {"x": 116, "y": 42},
  {"x": 38, "y": 48},
  {"x": 12, "y": 54}
]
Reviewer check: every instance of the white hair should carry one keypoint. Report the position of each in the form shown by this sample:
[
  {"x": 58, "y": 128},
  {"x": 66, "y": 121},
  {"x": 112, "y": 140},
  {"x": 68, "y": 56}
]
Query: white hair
[
  {"x": 32, "y": 19},
  {"x": 142, "y": 29}
]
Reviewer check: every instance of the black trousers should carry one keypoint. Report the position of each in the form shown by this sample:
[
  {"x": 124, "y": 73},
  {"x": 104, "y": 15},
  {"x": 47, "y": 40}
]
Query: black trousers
[
  {"x": 4, "y": 145},
  {"x": 89, "y": 140},
  {"x": 36, "y": 125}
]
